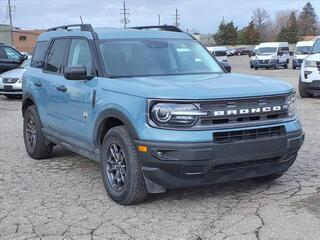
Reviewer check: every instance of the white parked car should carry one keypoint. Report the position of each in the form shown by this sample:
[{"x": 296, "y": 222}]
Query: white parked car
[
  {"x": 11, "y": 81},
  {"x": 301, "y": 52},
  {"x": 220, "y": 53},
  {"x": 309, "y": 83},
  {"x": 253, "y": 56},
  {"x": 272, "y": 55}
]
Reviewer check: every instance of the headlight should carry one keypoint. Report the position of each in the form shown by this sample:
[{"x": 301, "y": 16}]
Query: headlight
[
  {"x": 274, "y": 57},
  {"x": 291, "y": 105},
  {"x": 175, "y": 115},
  {"x": 310, "y": 64}
]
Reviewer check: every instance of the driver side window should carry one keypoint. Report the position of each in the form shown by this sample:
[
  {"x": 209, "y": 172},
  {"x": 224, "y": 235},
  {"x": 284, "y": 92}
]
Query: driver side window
[
  {"x": 12, "y": 54},
  {"x": 80, "y": 54}
]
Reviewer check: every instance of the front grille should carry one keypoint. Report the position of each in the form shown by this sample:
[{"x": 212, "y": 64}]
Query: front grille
[
  {"x": 10, "y": 80},
  {"x": 223, "y": 106},
  {"x": 245, "y": 135},
  {"x": 263, "y": 61}
]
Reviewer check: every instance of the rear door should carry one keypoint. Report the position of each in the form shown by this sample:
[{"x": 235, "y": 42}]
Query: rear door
[
  {"x": 52, "y": 79},
  {"x": 9, "y": 58}
]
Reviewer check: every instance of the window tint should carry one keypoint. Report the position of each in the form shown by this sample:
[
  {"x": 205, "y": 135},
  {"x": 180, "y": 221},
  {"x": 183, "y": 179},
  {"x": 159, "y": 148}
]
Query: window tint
[
  {"x": 12, "y": 54},
  {"x": 39, "y": 54},
  {"x": 3, "y": 54},
  {"x": 80, "y": 54},
  {"x": 316, "y": 47},
  {"x": 55, "y": 57},
  {"x": 284, "y": 49}
]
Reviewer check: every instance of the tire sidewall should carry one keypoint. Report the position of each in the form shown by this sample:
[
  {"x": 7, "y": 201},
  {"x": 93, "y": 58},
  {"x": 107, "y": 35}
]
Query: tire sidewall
[
  {"x": 31, "y": 111},
  {"x": 115, "y": 136}
]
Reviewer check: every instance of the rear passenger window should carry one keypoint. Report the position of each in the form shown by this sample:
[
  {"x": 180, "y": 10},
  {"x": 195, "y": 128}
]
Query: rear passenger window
[
  {"x": 55, "y": 57},
  {"x": 80, "y": 54},
  {"x": 39, "y": 55}
]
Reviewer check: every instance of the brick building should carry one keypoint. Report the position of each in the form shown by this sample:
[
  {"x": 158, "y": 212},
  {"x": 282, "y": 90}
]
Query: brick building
[{"x": 23, "y": 40}]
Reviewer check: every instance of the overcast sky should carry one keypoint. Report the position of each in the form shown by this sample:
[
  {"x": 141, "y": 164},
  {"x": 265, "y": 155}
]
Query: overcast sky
[{"x": 200, "y": 15}]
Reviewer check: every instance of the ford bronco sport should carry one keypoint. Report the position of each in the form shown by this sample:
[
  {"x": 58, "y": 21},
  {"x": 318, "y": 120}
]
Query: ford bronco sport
[{"x": 156, "y": 109}]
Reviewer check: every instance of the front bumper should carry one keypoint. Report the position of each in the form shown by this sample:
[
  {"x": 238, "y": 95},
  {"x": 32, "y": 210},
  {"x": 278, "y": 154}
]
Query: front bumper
[
  {"x": 10, "y": 89},
  {"x": 265, "y": 63},
  {"x": 179, "y": 165}
]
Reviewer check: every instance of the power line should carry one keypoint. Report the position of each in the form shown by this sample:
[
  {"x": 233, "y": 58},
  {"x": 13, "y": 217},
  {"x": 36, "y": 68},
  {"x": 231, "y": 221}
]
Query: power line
[{"x": 124, "y": 12}]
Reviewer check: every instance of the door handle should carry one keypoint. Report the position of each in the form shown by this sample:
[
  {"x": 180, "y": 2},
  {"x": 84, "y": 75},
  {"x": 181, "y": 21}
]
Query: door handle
[
  {"x": 38, "y": 83},
  {"x": 62, "y": 88}
]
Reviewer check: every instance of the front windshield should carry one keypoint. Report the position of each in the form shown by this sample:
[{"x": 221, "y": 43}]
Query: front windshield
[
  {"x": 266, "y": 50},
  {"x": 26, "y": 63},
  {"x": 151, "y": 57},
  {"x": 303, "y": 49}
]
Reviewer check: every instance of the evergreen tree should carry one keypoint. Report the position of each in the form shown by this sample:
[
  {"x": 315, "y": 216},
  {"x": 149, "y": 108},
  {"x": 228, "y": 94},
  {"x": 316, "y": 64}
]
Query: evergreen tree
[
  {"x": 227, "y": 34},
  {"x": 290, "y": 33},
  {"x": 308, "y": 20}
]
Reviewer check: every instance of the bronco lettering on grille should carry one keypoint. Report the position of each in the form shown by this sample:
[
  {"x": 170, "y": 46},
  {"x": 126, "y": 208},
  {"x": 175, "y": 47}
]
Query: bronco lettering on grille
[{"x": 245, "y": 111}]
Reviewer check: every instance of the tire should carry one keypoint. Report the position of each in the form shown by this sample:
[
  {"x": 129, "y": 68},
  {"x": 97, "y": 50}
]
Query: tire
[
  {"x": 268, "y": 178},
  {"x": 303, "y": 93},
  {"x": 294, "y": 67},
  {"x": 121, "y": 170},
  {"x": 286, "y": 66},
  {"x": 256, "y": 68},
  {"x": 35, "y": 143},
  {"x": 267, "y": 68}
]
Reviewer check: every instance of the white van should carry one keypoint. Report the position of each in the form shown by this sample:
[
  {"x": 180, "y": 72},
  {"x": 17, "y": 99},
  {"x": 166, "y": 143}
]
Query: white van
[
  {"x": 220, "y": 53},
  {"x": 272, "y": 55},
  {"x": 301, "y": 52}
]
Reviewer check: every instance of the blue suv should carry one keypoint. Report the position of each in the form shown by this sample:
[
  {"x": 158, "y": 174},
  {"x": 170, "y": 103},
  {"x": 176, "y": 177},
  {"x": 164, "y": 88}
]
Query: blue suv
[{"x": 156, "y": 109}]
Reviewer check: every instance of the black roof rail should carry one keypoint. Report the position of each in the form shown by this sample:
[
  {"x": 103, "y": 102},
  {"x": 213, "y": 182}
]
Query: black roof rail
[
  {"x": 170, "y": 28},
  {"x": 83, "y": 27}
]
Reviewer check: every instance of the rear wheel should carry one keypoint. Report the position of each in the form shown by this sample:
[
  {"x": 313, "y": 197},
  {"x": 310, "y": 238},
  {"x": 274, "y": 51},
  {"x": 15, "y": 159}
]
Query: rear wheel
[
  {"x": 35, "y": 143},
  {"x": 256, "y": 68},
  {"x": 294, "y": 67},
  {"x": 286, "y": 66},
  {"x": 121, "y": 169}
]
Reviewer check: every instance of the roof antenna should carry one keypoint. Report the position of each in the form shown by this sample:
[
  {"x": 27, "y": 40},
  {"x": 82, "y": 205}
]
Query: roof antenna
[{"x": 81, "y": 20}]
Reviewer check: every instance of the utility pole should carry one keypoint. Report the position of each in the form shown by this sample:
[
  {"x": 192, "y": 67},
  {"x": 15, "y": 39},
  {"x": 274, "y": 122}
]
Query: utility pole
[
  {"x": 124, "y": 13},
  {"x": 177, "y": 18},
  {"x": 159, "y": 20},
  {"x": 81, "y": 20},
  {"x": 10, "y": 18}
]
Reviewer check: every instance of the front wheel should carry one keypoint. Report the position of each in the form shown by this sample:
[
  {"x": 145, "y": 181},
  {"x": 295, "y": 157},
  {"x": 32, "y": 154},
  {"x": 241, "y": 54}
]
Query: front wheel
[
  {"x": 35, "y": 143},
  {"x": 121, "y": 169},
  {"x": 303, "y": 93}
]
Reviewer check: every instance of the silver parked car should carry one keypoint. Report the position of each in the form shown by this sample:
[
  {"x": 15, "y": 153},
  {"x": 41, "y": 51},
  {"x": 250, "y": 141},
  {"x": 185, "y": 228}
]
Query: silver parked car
[{"x": 11, "y": 81}]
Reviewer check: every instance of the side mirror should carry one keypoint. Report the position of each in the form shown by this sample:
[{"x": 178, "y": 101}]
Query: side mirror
[
  {"x": 226, "y": 66},
  {"x": 76, "y": 72}
]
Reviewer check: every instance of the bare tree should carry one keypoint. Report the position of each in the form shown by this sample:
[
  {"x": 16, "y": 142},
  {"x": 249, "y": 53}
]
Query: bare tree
[
  {"x": 259, "y": 17},
  {"x": 262, "y": 21}
]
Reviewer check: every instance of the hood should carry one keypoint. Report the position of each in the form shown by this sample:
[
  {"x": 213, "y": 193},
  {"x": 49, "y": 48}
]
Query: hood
[
  {"x": 313, "y": 57},
  {"x": 266, "y": 57},
  {"x": 15, "y": 73},
  {"x": 213, "y": 86},
  {"x": 300, "y": 56}
]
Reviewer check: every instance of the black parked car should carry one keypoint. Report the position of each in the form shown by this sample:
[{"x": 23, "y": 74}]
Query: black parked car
[
  {"x": 242, "y": 51},
  {"x": 10, "y": 58}
]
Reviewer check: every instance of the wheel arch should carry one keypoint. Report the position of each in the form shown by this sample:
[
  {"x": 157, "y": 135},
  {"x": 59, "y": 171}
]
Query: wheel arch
[
  {"x": 27, "y": 101},
  {"x": 110, "y": 118}
]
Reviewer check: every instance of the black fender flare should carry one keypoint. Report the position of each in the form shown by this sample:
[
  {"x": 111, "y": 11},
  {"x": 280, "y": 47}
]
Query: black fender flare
[
  {"x": 112, "y": 113},
  {"x": 25, "y": 97}
]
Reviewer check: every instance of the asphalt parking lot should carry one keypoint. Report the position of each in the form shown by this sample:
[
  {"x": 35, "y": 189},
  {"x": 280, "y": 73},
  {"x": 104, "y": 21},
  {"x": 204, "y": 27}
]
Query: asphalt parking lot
[{"x": 64, "y": 198}]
